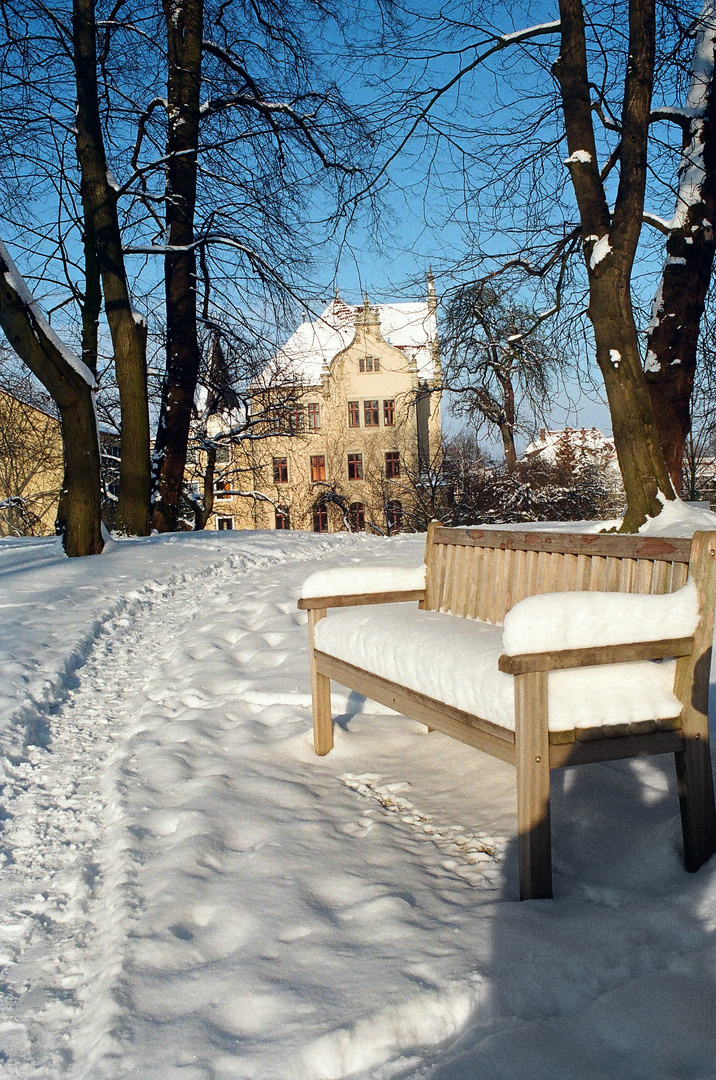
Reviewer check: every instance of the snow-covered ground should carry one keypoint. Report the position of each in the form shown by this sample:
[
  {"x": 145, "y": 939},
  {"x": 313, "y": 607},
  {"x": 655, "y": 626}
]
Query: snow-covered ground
[{"x": 189, "y": 893}]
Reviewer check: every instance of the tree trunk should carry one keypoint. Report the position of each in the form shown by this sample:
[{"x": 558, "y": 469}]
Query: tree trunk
[
  {"x": 184, "y": 23},
  {"x": 129, "y": 334},
  {"x": 610, "y": 241},
  {"x": 673, "y": 334},
  {"x": 203, "y": 513},
  {"x": 71, "y": 385}
]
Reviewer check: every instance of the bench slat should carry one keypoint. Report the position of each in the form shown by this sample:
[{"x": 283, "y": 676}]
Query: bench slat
[
  {"x": 619, "y": 545},
  {"x": 396, "y": 596}
]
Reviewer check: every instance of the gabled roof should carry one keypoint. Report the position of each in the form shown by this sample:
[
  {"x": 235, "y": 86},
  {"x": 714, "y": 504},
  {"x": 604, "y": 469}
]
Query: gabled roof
[{"x": 410, "y": 327}]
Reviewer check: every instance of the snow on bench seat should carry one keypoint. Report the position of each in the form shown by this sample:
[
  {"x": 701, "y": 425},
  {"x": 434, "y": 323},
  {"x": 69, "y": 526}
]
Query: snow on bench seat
[{"x": 454, "y": 661}]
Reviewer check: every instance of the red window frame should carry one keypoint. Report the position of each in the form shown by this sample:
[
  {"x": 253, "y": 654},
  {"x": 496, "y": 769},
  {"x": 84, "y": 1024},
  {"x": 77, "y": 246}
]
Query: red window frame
[
  {"x": 389, "y": 413},
  {"x": 314, "y": 416},
  {"x": 280, "y": 470},
  {"x": 356, "y": 516},
  {"x": 318, "y": 469},
  {"x": 392, "y": 465},
  {"x": 355, "y": 466},
  {"x": 371, "y": 414},
  {"x": 354, "y": 414},
  {"x": 320, "y": 518}
]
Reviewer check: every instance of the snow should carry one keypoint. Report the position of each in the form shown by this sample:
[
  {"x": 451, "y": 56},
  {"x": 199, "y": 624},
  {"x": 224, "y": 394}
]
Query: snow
[
  {"x": 16, "y": 282},
  {"x": 189, "y": 892},
  {"x": 455, "y": 661},
  {"x": 364, "y": 579},
  {"x": 313, "y": 345},
  {"x": 677, "y": 518},
  {"x": 600, "y": 251},
  {"x": 616, "y": 357},
  {"x": 576, "y": 620},
  {"x": 652, "y": 362},
  {"x": 582, "y": 156}
]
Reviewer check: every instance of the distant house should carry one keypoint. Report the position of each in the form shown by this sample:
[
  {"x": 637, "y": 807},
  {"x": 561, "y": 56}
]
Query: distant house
[
  {"x": 574, "y": 449},
  {"x": 357, "y": 419}
]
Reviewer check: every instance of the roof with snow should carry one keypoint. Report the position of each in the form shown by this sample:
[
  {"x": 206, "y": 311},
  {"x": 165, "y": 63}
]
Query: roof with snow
[
  {"x": 586, "y": 443},
  {"x": 410, "y": 327}
]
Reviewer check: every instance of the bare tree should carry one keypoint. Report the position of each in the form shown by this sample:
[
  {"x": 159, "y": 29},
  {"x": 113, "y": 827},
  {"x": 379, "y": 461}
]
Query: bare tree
[
  {"x": 102, "y": 232},
  {"x": 71, "y": 385},
  {"x": 498, "y": 365},
  {"x": 673, "y": 332}
]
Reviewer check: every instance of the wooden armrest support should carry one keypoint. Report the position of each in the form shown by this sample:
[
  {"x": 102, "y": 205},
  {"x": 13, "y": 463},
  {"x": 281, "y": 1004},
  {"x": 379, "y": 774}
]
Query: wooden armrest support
[
  {"x": 598, "y": 654},
  {"x": 357, "y": 599}
]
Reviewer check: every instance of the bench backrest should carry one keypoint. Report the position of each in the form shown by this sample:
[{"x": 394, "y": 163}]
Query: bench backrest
[{"x": 482, "y": 573}]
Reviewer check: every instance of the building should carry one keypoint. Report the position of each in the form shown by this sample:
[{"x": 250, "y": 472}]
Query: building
[
  {"x": 574, "y": 449},
  {"x": 31, "y": 464},
  {"x": 352, "y": 405}
]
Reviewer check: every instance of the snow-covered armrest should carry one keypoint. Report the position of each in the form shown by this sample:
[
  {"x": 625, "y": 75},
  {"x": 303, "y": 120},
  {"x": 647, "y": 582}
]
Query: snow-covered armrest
[
  {"x": 581, "y": 629},
  {"x": 598, "y": 654},
  {"x": 351, "y": 586}
]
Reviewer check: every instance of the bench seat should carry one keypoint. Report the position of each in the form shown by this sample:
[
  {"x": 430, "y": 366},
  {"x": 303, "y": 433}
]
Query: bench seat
[{"x": 454, "y": 661}]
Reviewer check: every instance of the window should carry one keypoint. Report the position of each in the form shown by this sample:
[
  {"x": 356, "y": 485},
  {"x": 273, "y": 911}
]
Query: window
[
  {"x": 356, "y": 516},
  {"x": 314, "y": 416},
  {"x": 280, "y": 470},
  {"x": 392, "y": 464},
  {"x": 355, "y": 466},
  {"x": 282, "y": 518},
  {"x": 320, "y": 518},
  {"x": 296, "y": 419},
  {"x": 192, "y": 455},
  {"x": 222, "y": 455},
  {"x": 369, "y": 363},
  {"x": 224, "y": 523},
  {"x": 389, "y": 413},
  {"x": 353, "y": 414},
  {"x": 222, "y": 489},
  {"x": 318, "y": 470},
  {"x": 371, "y": 414},
  {"x": 394, "y": 515}
]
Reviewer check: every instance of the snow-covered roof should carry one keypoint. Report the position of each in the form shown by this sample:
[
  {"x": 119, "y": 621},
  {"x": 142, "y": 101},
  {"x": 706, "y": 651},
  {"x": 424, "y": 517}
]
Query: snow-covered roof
[
  {"x": 586, "y": 443},
  {"x": 410, "y": 327}
]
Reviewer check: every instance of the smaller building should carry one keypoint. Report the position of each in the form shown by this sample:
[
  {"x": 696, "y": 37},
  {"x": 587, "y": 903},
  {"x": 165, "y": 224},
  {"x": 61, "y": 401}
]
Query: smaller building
[
  {"x": 574, "y": 449},
  {"x": 31, "y": 464}
]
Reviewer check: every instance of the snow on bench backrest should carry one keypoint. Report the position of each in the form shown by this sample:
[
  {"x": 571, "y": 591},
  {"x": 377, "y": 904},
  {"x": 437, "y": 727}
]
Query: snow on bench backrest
[{"x": 482, "y": 573}]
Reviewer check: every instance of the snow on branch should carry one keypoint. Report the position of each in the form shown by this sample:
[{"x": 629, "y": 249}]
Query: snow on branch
[{"x": 41, "y": 329}]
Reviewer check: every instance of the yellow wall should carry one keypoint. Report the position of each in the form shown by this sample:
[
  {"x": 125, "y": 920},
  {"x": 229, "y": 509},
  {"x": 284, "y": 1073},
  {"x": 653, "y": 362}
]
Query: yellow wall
[
  {"x": 397, "y": 380},
  {"x": 30, "y": 467}
]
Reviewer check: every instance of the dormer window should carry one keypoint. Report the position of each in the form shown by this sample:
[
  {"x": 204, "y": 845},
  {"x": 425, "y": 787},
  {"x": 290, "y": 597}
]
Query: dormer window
[{"x": 369, "y": 363}]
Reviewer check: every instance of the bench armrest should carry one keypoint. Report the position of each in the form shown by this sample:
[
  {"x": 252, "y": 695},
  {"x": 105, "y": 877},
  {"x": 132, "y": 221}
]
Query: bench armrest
[
  {"x": 306, "y": 603},
  {"x": 598, "y": 654}
]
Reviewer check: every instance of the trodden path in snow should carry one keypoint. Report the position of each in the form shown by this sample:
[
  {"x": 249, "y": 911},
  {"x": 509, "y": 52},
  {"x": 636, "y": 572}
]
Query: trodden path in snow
[
  {"x": 191, "y": 894},
  {"x": 148, "y": 931}
]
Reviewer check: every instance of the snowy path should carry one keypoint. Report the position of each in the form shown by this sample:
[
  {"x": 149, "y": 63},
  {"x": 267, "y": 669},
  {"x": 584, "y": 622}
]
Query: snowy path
[{"x": 190, "y": 894}]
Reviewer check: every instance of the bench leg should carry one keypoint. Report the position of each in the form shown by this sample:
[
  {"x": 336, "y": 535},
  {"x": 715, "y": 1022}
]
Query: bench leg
[
  {"x": 320, "y": 693},
  {"x": 533, "y": 818},
  {"x": 696, "y": 802}
]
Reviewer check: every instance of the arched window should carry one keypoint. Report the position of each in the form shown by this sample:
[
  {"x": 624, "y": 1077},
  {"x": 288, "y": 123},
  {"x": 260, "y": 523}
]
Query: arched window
[
  {"x": 394, "y": 515},
  {"x": 320, "y": 517},
  {"x": 356, "y": 516}
]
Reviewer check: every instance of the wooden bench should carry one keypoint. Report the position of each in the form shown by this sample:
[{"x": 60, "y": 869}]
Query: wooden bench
[{"x": 481, "y": 574}]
